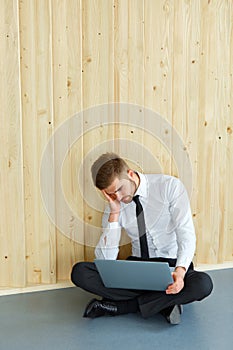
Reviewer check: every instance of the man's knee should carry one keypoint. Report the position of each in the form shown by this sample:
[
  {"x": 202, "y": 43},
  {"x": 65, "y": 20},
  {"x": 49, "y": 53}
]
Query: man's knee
[
  {"x": 205, "y": 285},
  {"x": 78, "y": 274}
]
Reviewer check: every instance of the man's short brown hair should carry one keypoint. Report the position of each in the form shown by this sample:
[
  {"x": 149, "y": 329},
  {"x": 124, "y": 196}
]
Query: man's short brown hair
[{"x": 106, "y": 168}]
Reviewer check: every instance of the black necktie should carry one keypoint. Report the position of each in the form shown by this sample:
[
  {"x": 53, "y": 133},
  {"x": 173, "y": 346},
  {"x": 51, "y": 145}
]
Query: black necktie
[{"x": 141, "y": 228}]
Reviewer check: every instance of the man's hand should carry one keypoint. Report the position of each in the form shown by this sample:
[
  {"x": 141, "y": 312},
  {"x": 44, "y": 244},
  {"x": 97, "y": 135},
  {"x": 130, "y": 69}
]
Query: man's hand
[
  {"x": 178, "y": 277},
  {"x": 115, "y": 206}
]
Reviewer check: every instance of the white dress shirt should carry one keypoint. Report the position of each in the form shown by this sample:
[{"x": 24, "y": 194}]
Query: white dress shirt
[{"x": 169, "y": 225}]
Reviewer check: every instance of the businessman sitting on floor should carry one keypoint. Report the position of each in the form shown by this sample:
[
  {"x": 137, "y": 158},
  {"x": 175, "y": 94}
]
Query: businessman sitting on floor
[{"x": 158, "y": 205}]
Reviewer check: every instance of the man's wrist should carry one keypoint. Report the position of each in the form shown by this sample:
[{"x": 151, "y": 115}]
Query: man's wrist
[
  {"x": 113, "y": 217},
  {"x": 180, "y": 270}
]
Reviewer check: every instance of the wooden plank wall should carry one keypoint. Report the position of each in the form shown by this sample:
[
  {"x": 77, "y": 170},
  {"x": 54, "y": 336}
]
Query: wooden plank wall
[{"x": 62, "y": 57}]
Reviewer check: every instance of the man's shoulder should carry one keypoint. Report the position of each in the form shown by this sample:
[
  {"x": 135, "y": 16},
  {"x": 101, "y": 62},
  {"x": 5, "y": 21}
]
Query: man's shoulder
[
  {"x": 162, "y": 178},
  {"x": 163, "y": 182}
]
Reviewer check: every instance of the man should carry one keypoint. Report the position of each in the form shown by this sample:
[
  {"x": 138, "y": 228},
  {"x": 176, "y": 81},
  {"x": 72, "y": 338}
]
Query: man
[{"x": 169, "y": 236}]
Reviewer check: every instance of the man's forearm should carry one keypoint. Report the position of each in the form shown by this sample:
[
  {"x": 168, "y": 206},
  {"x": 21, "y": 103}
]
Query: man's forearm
[
  {"x": 180, "y": 271},
  {"x": 108, "y": 245},
  {"x": 113, "y": 217}
]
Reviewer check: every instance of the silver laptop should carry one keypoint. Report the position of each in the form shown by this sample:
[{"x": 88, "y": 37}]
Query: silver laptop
[{"x": 128, "y": 274}]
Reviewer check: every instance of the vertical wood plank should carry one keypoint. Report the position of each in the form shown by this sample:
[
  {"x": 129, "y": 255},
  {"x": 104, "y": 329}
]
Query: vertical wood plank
[
  {"x": 121, "y": 33},
  {"x": 208, "y": 167},
  {"x": 36, "y": 72},
  {"x": 97, "y": 45},
  {"x": 158, "y": 57},
  {"x": 129, "y": 75},
  {"x": 229, "y": 159},
  {"x": 67, "y": 101},
  {"x": 185, "y": 99},
  {"x": 12, "y": 228},
  {"x": 224, "y": 118},
  {"x": 73, "y": 250}
]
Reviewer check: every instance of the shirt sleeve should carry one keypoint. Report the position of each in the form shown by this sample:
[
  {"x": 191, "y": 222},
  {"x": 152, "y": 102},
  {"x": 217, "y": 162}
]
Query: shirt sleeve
[
  {"x": 108, "y": 245},
  {"x": 182, "y": 223}
]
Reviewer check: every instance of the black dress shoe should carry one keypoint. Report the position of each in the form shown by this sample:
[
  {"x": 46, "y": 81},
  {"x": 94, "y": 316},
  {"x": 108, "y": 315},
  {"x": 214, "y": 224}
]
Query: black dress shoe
[{"x": 97, "y": 308}]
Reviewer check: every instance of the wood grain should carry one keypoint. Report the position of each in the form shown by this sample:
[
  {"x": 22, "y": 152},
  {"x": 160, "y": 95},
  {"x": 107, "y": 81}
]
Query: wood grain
[
  {"x": 12, "y": 225},
  {"x": 61, "y": 58}
]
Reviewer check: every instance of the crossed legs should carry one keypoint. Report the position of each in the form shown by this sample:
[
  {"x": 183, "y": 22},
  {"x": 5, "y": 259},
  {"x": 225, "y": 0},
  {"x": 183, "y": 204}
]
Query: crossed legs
[{"x": 197, "y": 286}]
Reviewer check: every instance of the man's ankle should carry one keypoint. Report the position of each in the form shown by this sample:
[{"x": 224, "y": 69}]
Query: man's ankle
[{"x": 125, "y": 306}]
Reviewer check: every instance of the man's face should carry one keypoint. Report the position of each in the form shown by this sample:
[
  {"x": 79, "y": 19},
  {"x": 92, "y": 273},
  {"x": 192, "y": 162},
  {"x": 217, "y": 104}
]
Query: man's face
[{"x": 122, "y": 189}]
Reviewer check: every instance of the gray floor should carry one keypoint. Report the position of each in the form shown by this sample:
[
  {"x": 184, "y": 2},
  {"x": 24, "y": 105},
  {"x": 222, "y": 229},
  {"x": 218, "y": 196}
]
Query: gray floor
[{"x": 53, "y": 320}]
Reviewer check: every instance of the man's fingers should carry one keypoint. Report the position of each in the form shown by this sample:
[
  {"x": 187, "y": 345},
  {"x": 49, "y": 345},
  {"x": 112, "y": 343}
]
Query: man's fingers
[
  {"x": 170, "y": 288},
  {"x": 174, "y": 288},
  {"x": 106, "y": 195}
]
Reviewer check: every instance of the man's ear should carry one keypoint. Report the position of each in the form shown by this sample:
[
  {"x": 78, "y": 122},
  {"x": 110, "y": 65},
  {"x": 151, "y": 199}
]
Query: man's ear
[{"x": 130, "y": 173}]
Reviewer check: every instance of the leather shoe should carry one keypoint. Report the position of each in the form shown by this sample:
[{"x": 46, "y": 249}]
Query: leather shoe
[{"x": 97, "y": 308}]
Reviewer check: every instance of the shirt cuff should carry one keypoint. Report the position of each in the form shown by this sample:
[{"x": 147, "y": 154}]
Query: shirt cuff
[
  {"x": 114, "y": 224},
  {"x": 183, "y": 263}
]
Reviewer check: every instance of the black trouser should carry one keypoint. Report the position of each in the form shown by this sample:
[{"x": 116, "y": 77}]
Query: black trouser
[{"x": 197, "y": 286}]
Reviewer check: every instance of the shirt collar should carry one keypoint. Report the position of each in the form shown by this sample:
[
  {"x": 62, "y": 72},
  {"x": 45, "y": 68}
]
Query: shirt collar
[{"x": 142, "y": 190}]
